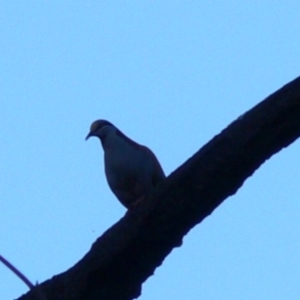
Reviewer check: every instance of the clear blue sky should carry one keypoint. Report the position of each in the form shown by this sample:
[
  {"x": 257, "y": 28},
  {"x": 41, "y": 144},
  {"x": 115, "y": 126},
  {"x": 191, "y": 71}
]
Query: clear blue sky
[{"x": 171, "y": 75}]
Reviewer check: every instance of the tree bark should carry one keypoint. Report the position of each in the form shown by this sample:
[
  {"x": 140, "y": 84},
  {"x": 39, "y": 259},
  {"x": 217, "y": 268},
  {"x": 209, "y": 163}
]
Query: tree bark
[{"x": 128, "y": 253}]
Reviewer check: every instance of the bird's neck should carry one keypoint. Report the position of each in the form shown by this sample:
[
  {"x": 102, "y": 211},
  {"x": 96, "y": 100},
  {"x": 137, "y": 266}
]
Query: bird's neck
[{"x": 117, "y": 141}]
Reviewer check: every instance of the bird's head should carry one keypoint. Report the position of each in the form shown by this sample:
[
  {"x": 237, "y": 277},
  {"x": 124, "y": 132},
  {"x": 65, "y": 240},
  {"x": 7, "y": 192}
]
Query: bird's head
[{"x": 100, "y": 129}]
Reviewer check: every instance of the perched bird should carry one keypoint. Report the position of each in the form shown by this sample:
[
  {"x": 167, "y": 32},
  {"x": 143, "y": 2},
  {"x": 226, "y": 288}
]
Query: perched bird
[{"x": 131, "y": 170}]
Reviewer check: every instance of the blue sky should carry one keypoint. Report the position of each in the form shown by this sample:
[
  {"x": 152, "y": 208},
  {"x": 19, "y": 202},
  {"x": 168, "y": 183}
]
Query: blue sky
[{"x": 171, "y": 75}]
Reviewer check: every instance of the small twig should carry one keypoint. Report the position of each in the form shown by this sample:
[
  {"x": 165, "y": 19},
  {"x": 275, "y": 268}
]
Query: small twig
[
  {"x": 35, "y": 288},
  {"x": 17, "y": 272}
]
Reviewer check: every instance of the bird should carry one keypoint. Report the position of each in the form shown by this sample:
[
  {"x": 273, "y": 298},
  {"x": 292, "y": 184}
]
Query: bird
[{"x": 132, "y": 170}]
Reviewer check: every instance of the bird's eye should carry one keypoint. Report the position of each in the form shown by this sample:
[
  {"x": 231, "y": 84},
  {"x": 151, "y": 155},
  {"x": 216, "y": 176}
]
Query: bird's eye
[{"x": 94, "y": 126}]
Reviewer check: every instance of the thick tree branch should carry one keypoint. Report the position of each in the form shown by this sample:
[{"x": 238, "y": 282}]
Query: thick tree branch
[{"x": 129, "y": 252}]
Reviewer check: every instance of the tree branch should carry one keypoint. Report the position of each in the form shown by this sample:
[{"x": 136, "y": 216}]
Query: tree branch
[{"x": 129, "y": 252}]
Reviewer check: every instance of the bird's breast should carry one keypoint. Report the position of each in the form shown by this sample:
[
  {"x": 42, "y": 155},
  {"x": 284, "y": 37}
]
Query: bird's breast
[{"x": 122, "y": 164}]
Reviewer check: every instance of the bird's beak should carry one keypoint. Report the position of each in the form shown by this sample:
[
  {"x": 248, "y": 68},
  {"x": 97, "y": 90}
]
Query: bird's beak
[{"x": 89, "y": 135}]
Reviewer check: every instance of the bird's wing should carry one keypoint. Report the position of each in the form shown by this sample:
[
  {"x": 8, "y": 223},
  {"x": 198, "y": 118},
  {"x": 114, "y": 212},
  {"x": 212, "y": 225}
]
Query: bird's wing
[{"x": 158, "y": 174}]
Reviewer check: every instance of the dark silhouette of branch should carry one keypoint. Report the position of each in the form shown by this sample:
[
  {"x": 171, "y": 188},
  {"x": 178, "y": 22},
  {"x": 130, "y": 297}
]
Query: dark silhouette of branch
[{"x": 129, "y": 252}]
